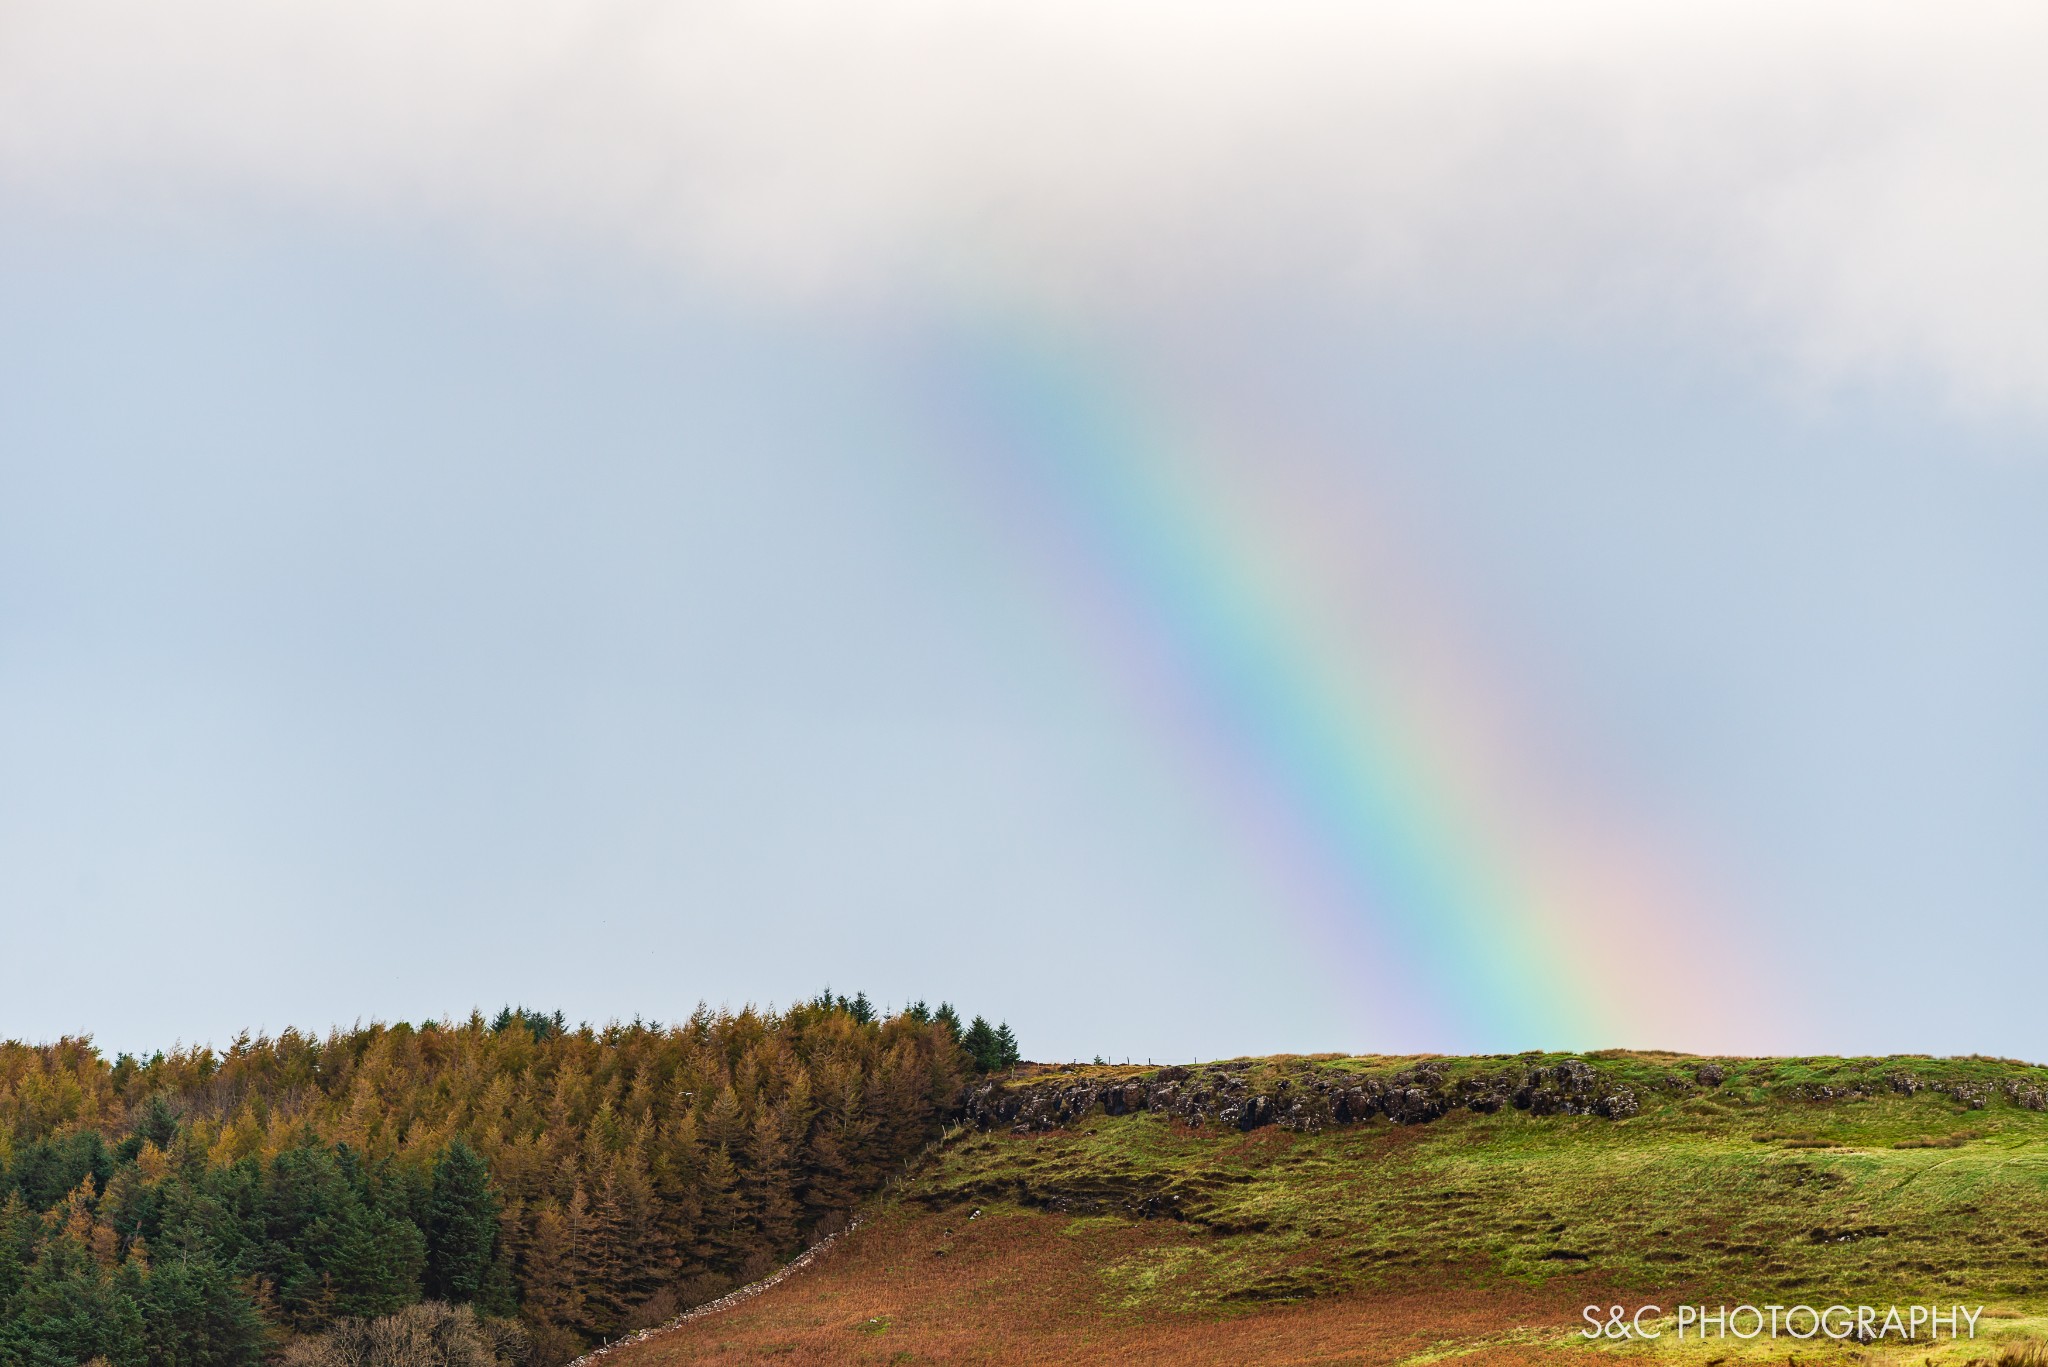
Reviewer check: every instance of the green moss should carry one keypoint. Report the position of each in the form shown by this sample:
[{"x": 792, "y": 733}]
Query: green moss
[{"x": 1746, "y": 1190}]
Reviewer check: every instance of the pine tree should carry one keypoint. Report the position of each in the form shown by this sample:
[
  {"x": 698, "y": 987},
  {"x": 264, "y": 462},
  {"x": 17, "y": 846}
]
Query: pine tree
[
  {"x": 981, "y": 1046},
  {"x": 375, "y": 1264},
  {"x": 158, "y": 1123},
  {"x": 720, "y": 1241},
  {"x": 195, "y": 1315},
  {"x": 1007, "y": 1055},
  {"x": 69, "y": 1310},
  {"x": 553, "y": 1297},
  {"x": 677, "y": 1166},
  {"x": 645, "y": 1258},
  {"x": 725, "y": 1124},
  {"x": 828, "y": 1185},
  {"x": 770, "y": 1200},
  {"x": 462, "y": 1225},
  {"x": 18, "y": 1229},
  {"x": 607, "y": 1259}
]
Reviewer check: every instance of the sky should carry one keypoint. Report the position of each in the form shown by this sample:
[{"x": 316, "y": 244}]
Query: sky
[{"x": 1194, "y": 529}]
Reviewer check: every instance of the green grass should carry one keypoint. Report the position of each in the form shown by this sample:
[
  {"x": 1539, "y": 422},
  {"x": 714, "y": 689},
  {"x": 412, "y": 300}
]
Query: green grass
[{"x": 1746, "y": 1190}]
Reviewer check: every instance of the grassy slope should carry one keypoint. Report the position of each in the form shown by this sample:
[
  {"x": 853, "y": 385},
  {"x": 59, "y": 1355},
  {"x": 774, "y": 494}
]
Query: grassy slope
[{"x": 1381, "y": 1242}]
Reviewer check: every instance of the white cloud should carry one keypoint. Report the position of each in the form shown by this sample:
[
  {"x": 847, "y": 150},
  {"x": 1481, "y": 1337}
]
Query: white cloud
[{"x": 1857, "y": 188}]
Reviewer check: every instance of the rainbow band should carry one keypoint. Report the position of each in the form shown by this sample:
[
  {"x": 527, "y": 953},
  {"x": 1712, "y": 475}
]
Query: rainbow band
[{"x": 1292, "y": 712}]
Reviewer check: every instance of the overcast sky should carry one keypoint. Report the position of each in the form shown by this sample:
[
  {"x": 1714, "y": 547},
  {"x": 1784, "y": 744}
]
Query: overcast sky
[{"x": 474, "y": 528}]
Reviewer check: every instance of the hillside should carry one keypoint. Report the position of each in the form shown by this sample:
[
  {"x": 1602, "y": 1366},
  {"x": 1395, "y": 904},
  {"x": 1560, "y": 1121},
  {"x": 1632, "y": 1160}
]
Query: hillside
[
  {"x": 1388, "y": 1210},
  {"x": 567, "y": 1184}
]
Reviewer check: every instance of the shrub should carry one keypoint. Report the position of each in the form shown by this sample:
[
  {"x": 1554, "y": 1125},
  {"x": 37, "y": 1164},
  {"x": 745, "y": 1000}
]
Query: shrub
[{"x": 429, "y": 1334}]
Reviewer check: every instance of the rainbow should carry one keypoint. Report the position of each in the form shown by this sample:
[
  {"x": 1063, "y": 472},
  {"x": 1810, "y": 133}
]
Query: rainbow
[{"x": 1344, "y": 746}]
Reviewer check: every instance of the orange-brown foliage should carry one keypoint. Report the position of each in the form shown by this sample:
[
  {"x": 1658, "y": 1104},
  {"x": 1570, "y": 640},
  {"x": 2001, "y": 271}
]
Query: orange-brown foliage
[
  {"x": 1026, "y": 1289},
  {"x": 634, "y": 1165}
]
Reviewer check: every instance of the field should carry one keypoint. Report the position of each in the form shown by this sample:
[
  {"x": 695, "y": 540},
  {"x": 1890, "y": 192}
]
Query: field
[{"x": 1479, "y": 1234}]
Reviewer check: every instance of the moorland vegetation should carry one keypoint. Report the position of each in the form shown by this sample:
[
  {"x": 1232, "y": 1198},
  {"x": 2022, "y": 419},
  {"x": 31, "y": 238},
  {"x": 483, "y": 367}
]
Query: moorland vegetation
[
  {"x": 1365, "y": 1210},
  {"x": 509, "y": 1191}
]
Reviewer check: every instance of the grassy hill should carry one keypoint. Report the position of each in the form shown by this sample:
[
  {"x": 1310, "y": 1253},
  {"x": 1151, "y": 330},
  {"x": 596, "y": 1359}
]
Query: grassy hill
[{"x": 1404, "y": 1210}]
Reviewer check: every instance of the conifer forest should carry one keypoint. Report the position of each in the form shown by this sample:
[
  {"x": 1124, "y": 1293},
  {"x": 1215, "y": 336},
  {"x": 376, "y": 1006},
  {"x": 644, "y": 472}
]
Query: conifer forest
[{"x": 534, "y": 1187}]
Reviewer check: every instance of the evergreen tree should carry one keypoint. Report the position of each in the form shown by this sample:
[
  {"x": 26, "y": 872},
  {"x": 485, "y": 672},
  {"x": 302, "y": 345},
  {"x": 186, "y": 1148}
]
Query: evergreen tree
[
  {"x": 607, "y": 1262},
  {"x": 646, "y": 1261},
  {"x": 158, "y": 1124},
  {"x": 719, "y": 1238},
  {"x": 48, "y": 1170},
  {"x": 69, "y": 1310},
  {"x": 195, "y": 1315},
  {"x": 1007, "y": 1055},
  {"x": 324, "y": 1243},
  {"x": 770, "y": 1200},
  {"x": 675, "y": 1171},
  {"x": 462, "y": 1225},
  {"x": 829, "y": 1186},
  {"x": 18, "y": 1230},
  {"x": 981, "y": 1046},
  {"x": 553, "y": 1298},
  {"x": 498, "y": 1297},
  {"x": 725, "y": 1124},
  {"x": 375, "y": 1264},
  {"x": 304, "y": 1210}
]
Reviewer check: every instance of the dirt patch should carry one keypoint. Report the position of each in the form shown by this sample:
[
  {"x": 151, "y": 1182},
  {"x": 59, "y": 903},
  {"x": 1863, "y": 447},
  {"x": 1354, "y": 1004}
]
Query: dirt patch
[{"x": 1028, "y": 1287}]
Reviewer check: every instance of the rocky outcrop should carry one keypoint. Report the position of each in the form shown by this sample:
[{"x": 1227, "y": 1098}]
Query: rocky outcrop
[
  {"x": 1971, "y": 1095},
  {"x": 2025, "y": 1095},
  {"x": 1240, "y": 1097},
  {"x": 1315, "y": 1094}
]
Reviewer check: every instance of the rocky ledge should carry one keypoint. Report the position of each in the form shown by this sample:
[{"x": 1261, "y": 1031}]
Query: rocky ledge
[{"x": 1243, "y": 1096}]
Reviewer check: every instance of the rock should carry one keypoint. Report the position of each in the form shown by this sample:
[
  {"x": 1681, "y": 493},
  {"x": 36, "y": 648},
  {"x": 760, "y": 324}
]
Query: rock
[
  {"x": 1307, "y": 1100},
  {"x": 2025, "y": 1095}
]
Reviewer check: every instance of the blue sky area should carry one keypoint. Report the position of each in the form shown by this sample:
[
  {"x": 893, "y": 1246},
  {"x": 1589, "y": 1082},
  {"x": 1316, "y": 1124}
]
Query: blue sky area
[{"x": 542, "y": 588}]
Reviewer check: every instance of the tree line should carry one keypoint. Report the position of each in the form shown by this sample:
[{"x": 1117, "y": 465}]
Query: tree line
[{"x": 204, "y": 1208}]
